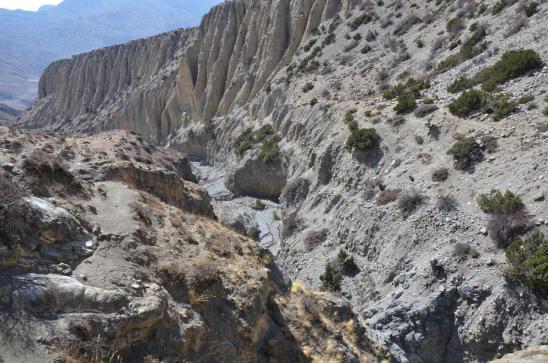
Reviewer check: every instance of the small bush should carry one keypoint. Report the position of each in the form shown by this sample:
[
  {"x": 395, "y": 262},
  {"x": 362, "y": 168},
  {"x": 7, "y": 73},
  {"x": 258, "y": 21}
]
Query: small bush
[
  {"x": 440, "y": 174},
  {"x": 409, "y": 201},
  {"x": 308, "y": 87},
  {"x": 244, "y": 141},
  {"x": 490, "y": 144},
  {"x": 357, "y": 22},
  {"x": 203, "y": 273},
  {"x": 331, "y": 279},
  {"x": 513, "y": 64},
  {"x": 263, "y": 133},
  {"x": 531, "y": 9},
  {"x": 446, "y": 203},
  {"x": 502, "y": 107},
  {"x": 465, "y": 153},
  {"x": 455, "y": 25},
  {"x": 464, "y": 250},
  {"x": 468, "y": 103},
  {"x": 495, "y": 202},
  {"x": 406, "y": 103},
  {"x": 313, "y": 239},
  {"x": 526, "y": 99},
  {"x": 545, "y": 111},
  {"x": 366, "y": 49},
  {"x": 529, "y": 260},
  {"x": 361, "y": 139},
  {"x": 460, "y": 84},
  {"x": 501, "y": 5},
  {"x": 448, "y": 63},
  {"x": 387, "y": 196},
  {"x": 505, "y": 228},
  {"x": 425, "y": 109},
  {"x": 270, "y": 150}
]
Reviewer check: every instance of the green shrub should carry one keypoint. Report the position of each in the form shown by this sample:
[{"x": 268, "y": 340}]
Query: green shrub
[
  {"x": 362, "y": 19},
  {"x": 245, "y": 141},
  {"x": 472, "y": 47},
  {"x": 503, "y": 107},
  {"x": 455, "y": 44},
  {"x": 412, "y": 85},
  {"x": 330, "y": 39},
  {"x": 361, "y": 139},
  {"x": 529, "y": 260},
  {"x": 269, "y": 150},
  {"x": 497, "y": 203},
  {"x": 331, "y": 279},
  {"x": 263, "y": 133},
  {"x": 406, "y": 103},
  {"x": 500, "y": 5},
  {"x": 460, "y": 84},
  {"x": 531, "y": 9},
  {"x": 419, "y": 42},
  {"x": 545, "y": 111},
  {"x": 448, "y": 63},
  {"x": 455, "y": 25},
  {"x": 526, "y": 99},
  {"x": 308, "y": 87},
  {"x": 468, "y": 103},
  {"x": 465, "y": 153},
  {"x": 366, "y": 49},
  {"x": 513, "y": 64}
]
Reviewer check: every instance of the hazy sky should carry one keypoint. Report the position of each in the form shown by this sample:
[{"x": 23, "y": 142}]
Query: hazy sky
[{"x": 26, "y": 4}]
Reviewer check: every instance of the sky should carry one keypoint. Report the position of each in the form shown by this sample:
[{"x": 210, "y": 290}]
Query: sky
[{"x": 31, "y": 5}]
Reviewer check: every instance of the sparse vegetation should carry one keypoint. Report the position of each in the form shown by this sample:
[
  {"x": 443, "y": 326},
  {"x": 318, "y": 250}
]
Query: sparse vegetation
[
  {"x": 464, "y": 250},
  {"x": 529, "y": 260},
  {"x": 446, "y": 203},
  {"x": 343, "y": 264},
  {"x": 440, "y": 174},
  {"x": 513, "y": 64},
  {"x": 465, "y": 153},
  {"x": 406, "y": 103},
  {"x": 331, "y": 279},
  {"x": 531, "y": 9},
  {"x": 308, "y": 87},
  {"x": 314, "y": 238},
  {"x": 248, "y": 139},
  {"x": 495, "y": 202},
  {"x": 455, "y": 25},
  {"x": 501, "y": 5},
  {"x": 409, "y": 201},
  {"x": 508, "y": 218},
  {"x": 270, "y": 151},
  {"x": 357, "y": 22},
  {"x": 468, "y": 103},
  {"x": 460, "y": 84},
  {"x": 387, "y": 196},
  {"x": 361, "y": 139}
]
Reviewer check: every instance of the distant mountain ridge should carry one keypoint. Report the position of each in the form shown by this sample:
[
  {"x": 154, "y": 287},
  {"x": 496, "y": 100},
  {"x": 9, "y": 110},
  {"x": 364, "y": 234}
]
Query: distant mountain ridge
[{"x": 29, "y": 41}]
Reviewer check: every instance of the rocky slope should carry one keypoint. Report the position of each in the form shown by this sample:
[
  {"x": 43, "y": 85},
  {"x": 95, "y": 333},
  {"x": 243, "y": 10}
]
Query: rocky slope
[
  {"x": 103, "y": 260},
  {"x": 275, "y": 98}
]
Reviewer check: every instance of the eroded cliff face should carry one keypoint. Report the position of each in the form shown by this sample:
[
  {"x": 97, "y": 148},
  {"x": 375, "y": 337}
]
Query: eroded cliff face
[{"x": 155, "y": 86}]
